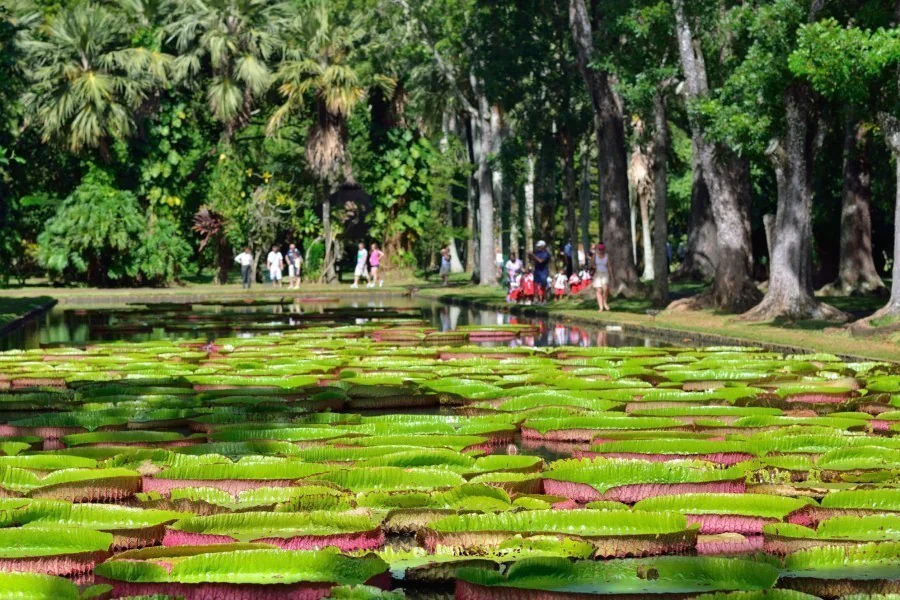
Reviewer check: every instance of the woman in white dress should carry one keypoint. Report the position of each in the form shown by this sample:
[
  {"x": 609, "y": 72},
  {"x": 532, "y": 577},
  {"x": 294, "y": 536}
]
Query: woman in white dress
[{"x": 602, "y": 277}]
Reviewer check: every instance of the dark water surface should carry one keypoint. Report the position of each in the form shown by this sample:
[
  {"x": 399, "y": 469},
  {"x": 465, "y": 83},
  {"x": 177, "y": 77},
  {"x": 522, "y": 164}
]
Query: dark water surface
[{"x": 75, "y": 326}]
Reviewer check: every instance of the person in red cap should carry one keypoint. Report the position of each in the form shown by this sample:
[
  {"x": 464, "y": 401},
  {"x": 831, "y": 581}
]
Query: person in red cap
[{"x": 602, "y": 277}]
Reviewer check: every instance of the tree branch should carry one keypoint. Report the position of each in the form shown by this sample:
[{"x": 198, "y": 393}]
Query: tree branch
[{"x": 439, "y": 59}]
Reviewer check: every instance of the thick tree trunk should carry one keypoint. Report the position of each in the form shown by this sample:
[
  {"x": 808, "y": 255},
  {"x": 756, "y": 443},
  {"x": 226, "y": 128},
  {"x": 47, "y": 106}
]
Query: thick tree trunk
[
  {"x": 790, "y": 294},
  {"x": 610, "y": 130},
  {"x": 660, "y": 198},
  {"x": 891, "y": 127},
  {"x": 700, "y": 253},
  {"x": 727, "y": 177},
  {"x": 529, "y": 203},
  {"x": 488, "y": 270},
  {"x": 857, "y": 273}
]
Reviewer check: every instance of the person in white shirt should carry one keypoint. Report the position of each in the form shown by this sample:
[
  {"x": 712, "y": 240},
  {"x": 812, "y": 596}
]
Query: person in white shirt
[
  {"x": 559, "y": 285},
  {"x": 361, "y": 270},
  {"x": 513, "y": 268},
  {"x": 245, "y": 259},
  {"x": 275, "y": 263}
]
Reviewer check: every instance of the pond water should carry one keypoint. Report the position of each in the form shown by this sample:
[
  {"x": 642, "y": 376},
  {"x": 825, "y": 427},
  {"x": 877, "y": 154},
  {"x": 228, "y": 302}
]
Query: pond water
[{"x": 76, "y": 326}]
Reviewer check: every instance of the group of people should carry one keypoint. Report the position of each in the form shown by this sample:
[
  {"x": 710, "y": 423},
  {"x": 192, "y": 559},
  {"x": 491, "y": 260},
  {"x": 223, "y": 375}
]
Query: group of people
[
  {"x": 368, "y": 265},
  {"x": 275, "y": 263},
  {"x": 531, "y": 283}
]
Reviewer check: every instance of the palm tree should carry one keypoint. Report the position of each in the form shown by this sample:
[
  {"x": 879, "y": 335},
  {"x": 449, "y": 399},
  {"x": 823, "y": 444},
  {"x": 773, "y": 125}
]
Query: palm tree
[
  {"x": 86, "y": 82},
  {"x": 322, "y": 66},
  {"x": 230, "y": 42}
]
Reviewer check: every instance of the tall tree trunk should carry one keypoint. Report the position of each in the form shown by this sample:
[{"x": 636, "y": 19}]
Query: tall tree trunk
[
  {"x": 727, "y": 177},
  {"x": 498, "y": 133},
  {"x": 642, "y": 186},
  {"x": 328, "y": 274},
  {"x": 633, "y": 212},
  {"x": 514, "y": 216},
  {"x": 570, "y": 182},
  {"x": 471, "y": 197},
  {"x": 790, "y": 294},
  {"x": 488, "y": 270},
  {"x": 610, "y": 131},
  {"x": 857, "y": 272},
  {"x": 660, "y": 198},
  {"x": 529, "y": 203},
  {"x": 700, "y": 251},
  {"x": 545, "y": 191},
  {"x": 448, "y": 126},
  {"x": 586, "y": 201}
]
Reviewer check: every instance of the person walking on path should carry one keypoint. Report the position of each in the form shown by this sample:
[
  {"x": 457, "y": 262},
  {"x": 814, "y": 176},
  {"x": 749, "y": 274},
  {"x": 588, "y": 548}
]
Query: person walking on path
[
  {"x": 294, "y": 261},
  {"x": 445, "y": 266},
  {"x": 375, "y": 256},
  {"x": 245, "y": 259},
  {"x": 541, "y": 259},
  {"x": 275, "y": 263},
  {"x": 602, "y": 277},
  {"x": 361, "y": 270}
]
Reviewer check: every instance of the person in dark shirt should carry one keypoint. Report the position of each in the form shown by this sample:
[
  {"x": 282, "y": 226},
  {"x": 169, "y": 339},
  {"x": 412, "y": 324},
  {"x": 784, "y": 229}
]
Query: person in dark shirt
[{"x": 541, "y": 259}]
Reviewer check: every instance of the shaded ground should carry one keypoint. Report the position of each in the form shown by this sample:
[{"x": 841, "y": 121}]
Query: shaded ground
[{"x": 809, "y": 335}]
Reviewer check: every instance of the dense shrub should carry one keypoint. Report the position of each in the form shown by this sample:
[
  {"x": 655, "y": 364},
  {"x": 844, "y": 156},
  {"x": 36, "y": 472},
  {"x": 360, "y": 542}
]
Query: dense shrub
[{"x": 100, "y": 236}]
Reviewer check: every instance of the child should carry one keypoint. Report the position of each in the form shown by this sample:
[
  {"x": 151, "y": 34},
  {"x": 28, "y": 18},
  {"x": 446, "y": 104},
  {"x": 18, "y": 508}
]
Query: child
[
  {"x": 528, "y": 286},
  {"x": 585, "y": 278},
  {"x": 559, "y": 285},
  {"x": 515, "y": 288},
  {"x": 574, "y": 284}
]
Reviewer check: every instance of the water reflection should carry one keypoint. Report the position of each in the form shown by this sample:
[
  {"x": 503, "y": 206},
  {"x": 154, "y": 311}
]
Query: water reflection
[
  {"x": 67, "y": 326},
  {"x": 551, "y": 332}
]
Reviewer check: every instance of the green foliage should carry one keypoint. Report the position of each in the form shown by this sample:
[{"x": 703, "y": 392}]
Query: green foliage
[
  {"x": 86, "y": 82},
  {"x": 99, "y": 234},
  {"x": 844, "y": 62}
]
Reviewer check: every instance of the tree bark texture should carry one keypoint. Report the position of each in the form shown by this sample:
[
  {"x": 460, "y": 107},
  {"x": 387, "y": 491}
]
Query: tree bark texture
[
  {"x": 769, "y": 226},
  {"x": 488, "y": 271},
  {"x": 471, "y": 196},
  {"x": 891, "y": 126},
  {"x": 727, "y": 177},
  {"x": 328, "y": 274},
  {"x": 660, "y": 198},
  {"x": 700, "y": 253},
  {"x": 642, "y": 188},
  {"x": 790, "y": 294},
  {"x": 514, "y": 216},
  {"x": 448, "y": 126},
  {"x": 610, "y": 131},
  {"x": 857, "y": 273},
  {"x": 528, "y": 221},
  {"x": 498, "y": 134}
]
